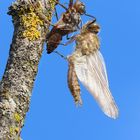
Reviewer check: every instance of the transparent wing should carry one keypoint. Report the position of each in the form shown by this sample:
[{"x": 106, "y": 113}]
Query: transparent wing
[
  {"x": 101, "y": 64},
  {"x": 91, "y": 71}
]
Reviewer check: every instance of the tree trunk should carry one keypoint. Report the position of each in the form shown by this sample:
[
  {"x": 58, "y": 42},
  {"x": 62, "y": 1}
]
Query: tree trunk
[{"x": 26, "y": 49}]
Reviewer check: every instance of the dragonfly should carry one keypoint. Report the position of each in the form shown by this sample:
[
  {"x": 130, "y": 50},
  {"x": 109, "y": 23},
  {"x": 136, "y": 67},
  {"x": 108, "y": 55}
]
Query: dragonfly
[{"x": 87, "y": 65}]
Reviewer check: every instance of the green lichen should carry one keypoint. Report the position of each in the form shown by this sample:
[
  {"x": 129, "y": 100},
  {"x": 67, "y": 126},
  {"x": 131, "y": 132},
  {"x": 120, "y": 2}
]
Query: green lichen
[
  {"x": 28, "y": 19},
  {"x": 28, "y": 16},
  {"x": 14, "y": 130},
  {"x": 31, "y": 22},
  {"x": 52, "y": 6},
  {"x": 17, "y": 117}
]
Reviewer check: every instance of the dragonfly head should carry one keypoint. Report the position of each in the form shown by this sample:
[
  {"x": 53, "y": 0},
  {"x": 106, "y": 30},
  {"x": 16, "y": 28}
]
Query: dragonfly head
[{"x": 92, "y": 26}]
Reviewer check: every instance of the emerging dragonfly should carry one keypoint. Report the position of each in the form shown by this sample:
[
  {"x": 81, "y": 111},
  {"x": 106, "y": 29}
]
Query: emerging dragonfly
[
  {"x": 68, "y": 23},
  {"x": 87, "y": 65}
]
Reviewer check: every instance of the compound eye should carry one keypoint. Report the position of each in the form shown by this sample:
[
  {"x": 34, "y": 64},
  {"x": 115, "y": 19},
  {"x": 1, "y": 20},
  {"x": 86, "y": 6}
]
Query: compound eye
[{"x": 82, "y": 9}]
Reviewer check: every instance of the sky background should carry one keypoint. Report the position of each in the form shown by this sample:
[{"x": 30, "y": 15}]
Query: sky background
[{"x": 53, "y": 114}]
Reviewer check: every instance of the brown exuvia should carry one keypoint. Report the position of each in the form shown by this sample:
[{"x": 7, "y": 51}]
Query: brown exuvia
[{"x": 68, "y": 23}]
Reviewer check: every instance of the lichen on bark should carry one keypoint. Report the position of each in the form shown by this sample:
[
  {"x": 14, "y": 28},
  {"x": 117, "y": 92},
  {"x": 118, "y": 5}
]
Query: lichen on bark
[{"x": 25, "y": 52}]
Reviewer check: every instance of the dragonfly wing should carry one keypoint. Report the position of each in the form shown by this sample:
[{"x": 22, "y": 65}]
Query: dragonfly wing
[
  {"x": 91, "y": 71},
  {"x": 102, "y": 66}
]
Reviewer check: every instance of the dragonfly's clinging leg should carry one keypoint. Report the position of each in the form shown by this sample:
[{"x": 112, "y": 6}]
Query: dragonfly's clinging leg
[
  {"x": 67, "y": 37},
  {"x": 56, "y": 14},
  {"x": 81, "y": 25},
  {"x": 57, "y": 42},
  {"x": 94, "y": 19},
  {"x": 61, "y": 55},
  {"x": 71, "y": 39},
  {"x": 63, "y": 6}
]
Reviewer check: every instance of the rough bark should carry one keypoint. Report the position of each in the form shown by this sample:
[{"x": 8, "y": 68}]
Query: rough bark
[{"x": 25, "y": 52}]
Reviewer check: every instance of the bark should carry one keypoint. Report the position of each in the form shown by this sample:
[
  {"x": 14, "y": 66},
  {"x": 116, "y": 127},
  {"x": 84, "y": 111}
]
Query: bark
[{"x": 25, "y": 52}]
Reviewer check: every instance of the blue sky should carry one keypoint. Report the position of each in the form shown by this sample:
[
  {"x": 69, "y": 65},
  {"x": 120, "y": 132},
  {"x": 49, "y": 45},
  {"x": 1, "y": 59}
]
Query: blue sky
[{"x": 52, "y": 113}]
